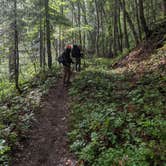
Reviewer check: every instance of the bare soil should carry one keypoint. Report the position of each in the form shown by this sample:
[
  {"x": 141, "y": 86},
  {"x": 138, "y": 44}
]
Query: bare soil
[
  {"x": 145, "y": 48},
  {"x": 48, "y": 142}
]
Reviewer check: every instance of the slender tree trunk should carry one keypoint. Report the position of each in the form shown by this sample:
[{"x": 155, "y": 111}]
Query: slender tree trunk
[
  {"x": 138, "y": 20},
  {"x": 153, "y": 2},
  {"x": 126, "y": 39},
  {"x": 48, "y": 34},
  {"x": 142, "y": 18},
  {"x": 72, "y": 25},
  {"x": 16, "y": 52},
  {"x": 11, "y": 63},
  {"x": 164, "y": 7},
  {"x": 120, "y": 36},
  {"x": 79, "y": 22},
  {"x": 41, "y": 39},
  {"x": 11, "y": 55},
  {"x": 111, "y": 54},
  {"x": 75, "y": 20},
  {"x": 41, "y": 47},
  {"x": 103, "y": 37},
  {"x": 116, "y": 29},
  {"x": 98, "y": 26},
  {"x": 60, "y": 38},
  {"x": 130, "y": 23},
  {"x": 61, "y": 27},
  {"x": 44, "y": 45},
  {"x": 86, "y": 34}
]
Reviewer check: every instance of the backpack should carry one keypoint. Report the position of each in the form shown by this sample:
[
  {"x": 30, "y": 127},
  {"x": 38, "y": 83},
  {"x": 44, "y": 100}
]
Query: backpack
[
  {"x": 61, "y": 58},
  {"x": 76, "y": 52}
]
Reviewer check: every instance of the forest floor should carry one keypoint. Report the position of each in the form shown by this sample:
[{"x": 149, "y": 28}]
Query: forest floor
[
  {"x": 48, "y": 143},
  {"x": 116, "y": 118}
]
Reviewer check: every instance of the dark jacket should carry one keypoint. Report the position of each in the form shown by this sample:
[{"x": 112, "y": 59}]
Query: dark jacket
[
  {"x": 67, "y": 59},
  {"x": 76, "y": 52}
]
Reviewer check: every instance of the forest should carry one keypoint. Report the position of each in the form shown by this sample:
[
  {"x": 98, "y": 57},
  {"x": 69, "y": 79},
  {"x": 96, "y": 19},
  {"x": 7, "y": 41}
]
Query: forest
[{"x": 113, "y": 111}]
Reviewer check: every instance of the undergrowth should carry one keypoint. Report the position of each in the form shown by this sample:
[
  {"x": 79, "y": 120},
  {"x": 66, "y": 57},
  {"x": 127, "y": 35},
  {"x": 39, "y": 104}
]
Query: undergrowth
[
  {"x": 118, "y": 118},
  {"x": 17, "y": 111}
]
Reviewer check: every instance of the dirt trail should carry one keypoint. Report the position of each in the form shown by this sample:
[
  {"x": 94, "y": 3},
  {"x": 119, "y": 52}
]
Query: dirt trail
[{"x": 48, "y": 143}]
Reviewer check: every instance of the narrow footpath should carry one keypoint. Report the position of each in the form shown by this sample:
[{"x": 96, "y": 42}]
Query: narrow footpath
[{"x": 48, "y": 143}]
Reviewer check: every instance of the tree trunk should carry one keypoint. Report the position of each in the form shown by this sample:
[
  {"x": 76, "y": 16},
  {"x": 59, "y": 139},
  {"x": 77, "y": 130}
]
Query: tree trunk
[
  {"x": 103, "y": 35},
  {"x": 164, "y": 7},
  {"x": 130, "y": 23},
  {"x": 16, "y": 52},
  {"x": 142, "y": 18},
  {"x": 11, "y": 63},
  {"x": 126, "y": 39},
  {"x": 115, "y": 38},
  {"x": 138, "y": 20},
  {"x": 48, "y": 34},
  {"x": 41, "y": 39},
  {"x": 98, "y": 26},
  {"x": 79, "y": 23},
  {"x": 120, "y": 35},
  {"x": 44, "y": 45}
]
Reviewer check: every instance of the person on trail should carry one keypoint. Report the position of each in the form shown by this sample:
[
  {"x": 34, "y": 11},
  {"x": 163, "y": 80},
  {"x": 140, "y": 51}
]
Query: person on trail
[
  {"x": 66, "y": 60},
  {"x": 76, "y": 53}
]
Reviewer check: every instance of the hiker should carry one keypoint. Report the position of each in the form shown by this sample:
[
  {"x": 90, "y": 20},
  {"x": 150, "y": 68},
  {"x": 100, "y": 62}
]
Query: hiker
[
  {"x": 76, "y": 53},
  {"x": 66, "y": 60}
]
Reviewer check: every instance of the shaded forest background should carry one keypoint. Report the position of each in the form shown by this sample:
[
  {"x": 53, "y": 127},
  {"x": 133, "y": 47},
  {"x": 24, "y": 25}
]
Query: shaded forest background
[
  {"x": 117, "y": 103},
  {"x": 34, "y": 32}
]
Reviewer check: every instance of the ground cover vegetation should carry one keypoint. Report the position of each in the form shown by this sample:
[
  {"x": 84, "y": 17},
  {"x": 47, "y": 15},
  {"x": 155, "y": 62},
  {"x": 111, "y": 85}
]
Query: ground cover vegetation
[
  {"x": 17, "y": 113},
  {"x": 118, "y": 109},
  {"x": 118, "y": 115}
]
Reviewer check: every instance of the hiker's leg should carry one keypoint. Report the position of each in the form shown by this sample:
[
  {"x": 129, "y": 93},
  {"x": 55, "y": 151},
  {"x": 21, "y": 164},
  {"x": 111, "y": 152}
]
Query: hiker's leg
[
  {"x": 68, "y": 74},
  {"x": 76, "y": 65},
  {"x": 79, "y": 65},
  {"x": 65, "y": 75}
]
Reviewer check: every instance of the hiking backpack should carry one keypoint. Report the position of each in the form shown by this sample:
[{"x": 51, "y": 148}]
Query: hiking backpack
[
  {"x": 76, "y": 52},
  {"x": 61, "y": 58}
]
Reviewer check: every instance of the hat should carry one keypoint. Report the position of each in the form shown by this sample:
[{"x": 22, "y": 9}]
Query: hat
[{"x": 68, "y": 47}]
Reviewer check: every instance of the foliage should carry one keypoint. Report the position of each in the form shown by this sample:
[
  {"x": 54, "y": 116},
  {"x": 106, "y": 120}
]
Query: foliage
[
  {"x": 117, "y": 119},
  {"x": 120, "y": 115},
  {"x": 17, "y": 112}
]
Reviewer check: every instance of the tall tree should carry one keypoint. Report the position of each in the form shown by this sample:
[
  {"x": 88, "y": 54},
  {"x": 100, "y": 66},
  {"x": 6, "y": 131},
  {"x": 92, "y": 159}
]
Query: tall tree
[
  {"x": 41, "y": 35},
  {"x": 130, "y": 22},
  {"x": 138, "y": 19},
  {"x": 142, "y": 18},
  {"x": 16, "y": 52},
  {"x": 116, "y": 38},
  {"x": 164, "y": 7},
  {"x": 48, "y": 33},
  {"x": 126, "y": 38},
  {"x": 97, "y": 27}
]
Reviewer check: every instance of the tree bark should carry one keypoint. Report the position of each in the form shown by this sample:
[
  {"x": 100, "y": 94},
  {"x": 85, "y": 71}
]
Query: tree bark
[
  {"x": 164, "y": 7},
  {"x": 98, "y": 26},
  {"x": 115, "y": 38},
  {"x": 41, "y": 39},
  {"x": 142, "y": 18},
  {"x": 16, "y": 52},
  {"x": 48, "y": 34},
  {"x": 130, "y": 22},
  {"x": 138, "y": 20},
  {"x": 126, "y": 39},
  {"x": 120, "y": 35},
  {"x": 79, "y": 22}
]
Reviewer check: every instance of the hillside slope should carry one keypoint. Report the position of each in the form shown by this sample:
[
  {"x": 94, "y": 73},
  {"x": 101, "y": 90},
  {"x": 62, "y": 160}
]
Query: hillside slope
[{"x": 118, "y": 113}]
